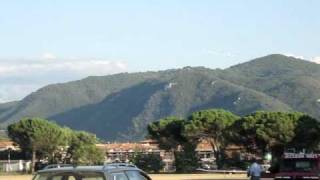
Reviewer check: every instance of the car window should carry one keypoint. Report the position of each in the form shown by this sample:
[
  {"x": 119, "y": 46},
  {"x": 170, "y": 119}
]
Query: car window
[
  {"x": 53, "y": 176},
  {"x": 39, "y": 177},
  {"x": 57, "y": 178},
  {"x": 70, "y": 176},
  {"x": 118, "y": 176},
  {"x": 93, "y": 178},
  {"x": 136, "y": 175},
  {"x": 48, "y": 176},
  {"x": 90, "y": 176}
]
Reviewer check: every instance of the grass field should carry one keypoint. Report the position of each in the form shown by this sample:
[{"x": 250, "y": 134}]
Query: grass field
[{"x": 156, "y": 177}]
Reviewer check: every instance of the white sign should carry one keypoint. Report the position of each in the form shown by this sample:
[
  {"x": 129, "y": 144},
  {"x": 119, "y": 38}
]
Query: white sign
[{"x": 300, "y": 156}]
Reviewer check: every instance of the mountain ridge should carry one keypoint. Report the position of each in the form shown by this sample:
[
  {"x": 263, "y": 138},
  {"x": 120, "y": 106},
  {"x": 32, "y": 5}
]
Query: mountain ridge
[{"x": 118, "y": 107}]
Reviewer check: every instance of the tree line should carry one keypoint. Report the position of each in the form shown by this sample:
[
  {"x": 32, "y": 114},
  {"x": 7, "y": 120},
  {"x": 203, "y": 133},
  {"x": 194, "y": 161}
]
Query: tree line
[
  {"x": 40, "y": 139},
  {"x": 258, "y": 133}
]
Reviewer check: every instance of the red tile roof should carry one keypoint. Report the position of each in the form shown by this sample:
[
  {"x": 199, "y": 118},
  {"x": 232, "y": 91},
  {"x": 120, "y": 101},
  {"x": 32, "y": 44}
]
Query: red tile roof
[
  {"x": 148, "y": 145},
  {"x": 7, "y": 144},
  {"x": 128, "y": 147}
]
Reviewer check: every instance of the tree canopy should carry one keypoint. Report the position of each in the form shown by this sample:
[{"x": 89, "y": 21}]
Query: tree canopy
[
  {"x": 82, "y": 149},
  {"x": 211, "y": 125},
  {"x": 307, "y": 134},
  {"x": 168, "y": 132},
  {"x": 259, "y": 132},
  {"x": 151, "y": 163},
  {"x": 37, "y": 136},
  {"x": 47, "y": 140},
  {"x": 277, "y": 131}
]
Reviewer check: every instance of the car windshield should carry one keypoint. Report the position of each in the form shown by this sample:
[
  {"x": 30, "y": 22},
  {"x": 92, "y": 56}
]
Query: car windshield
[
  {"x": 299, "y": 165},
  {"x": 70, "y": 176}
]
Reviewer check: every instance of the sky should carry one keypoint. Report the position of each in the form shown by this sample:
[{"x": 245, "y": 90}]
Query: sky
[{"x": 54, "y": 41}]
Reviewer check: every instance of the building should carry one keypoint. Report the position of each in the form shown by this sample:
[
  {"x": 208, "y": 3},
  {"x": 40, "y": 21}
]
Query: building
[
  {"x": 124, "y": 152},
  {"x": 206, "y": 155},
  {"x": 6, "y": 145}
]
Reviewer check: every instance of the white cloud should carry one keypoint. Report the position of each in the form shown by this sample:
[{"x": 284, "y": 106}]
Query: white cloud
[
  {"x": 48, "y": 56},
  {"x": 19, "y": 78},
  {"x": 10, "y": 92},
  {"x": 316, "y": 59},
  {"x": 294, "y": 55},
  {"x": 79, "y": 67}
]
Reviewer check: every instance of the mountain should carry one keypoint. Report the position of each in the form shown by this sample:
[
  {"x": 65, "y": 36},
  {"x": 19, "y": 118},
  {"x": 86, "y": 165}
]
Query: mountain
[
  {"x": 118, "y": 107},
  {"x": 294, "y": 82}
]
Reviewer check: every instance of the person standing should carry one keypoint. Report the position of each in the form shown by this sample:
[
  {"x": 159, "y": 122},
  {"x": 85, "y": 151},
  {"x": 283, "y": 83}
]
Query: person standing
[{"x": 255, "y": 170}]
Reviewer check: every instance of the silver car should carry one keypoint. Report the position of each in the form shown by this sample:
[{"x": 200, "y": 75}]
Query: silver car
[{"x": 107, "y": 172}]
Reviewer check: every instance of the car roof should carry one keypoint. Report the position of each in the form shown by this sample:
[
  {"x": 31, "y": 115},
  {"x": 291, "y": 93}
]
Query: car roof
[{"x": 105, "y": 169}]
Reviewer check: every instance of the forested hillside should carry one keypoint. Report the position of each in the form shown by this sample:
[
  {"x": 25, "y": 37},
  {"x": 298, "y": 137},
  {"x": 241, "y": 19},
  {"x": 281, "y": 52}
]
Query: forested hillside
[{"x": 119, "y": 107}]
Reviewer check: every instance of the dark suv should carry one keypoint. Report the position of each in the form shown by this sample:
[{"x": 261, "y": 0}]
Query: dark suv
[{"x": 107, "y": 172}]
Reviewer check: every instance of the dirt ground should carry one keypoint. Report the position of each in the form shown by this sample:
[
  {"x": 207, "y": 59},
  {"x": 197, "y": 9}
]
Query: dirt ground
[{"x": 156, "y": 177}]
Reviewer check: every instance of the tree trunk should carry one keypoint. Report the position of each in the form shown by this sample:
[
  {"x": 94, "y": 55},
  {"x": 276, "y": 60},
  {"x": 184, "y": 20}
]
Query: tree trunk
[
  {"x": 33, "y": 160},
  {"x": 217, "y": 153}
]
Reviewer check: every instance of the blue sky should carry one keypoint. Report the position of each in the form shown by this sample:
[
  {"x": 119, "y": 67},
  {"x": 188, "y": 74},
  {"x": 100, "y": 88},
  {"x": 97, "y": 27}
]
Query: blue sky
[{"x": 81, "y": 38}]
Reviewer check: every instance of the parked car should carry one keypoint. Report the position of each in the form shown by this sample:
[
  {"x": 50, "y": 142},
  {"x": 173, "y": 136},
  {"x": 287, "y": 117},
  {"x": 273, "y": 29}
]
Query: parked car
[
  {"x": 50, "y": 166},
  {"x": 106, "y": 172}
]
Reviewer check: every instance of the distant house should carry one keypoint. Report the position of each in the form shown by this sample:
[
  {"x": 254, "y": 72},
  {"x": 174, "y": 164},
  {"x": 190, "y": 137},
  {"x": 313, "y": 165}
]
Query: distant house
[
  {"x": 5, "y": 145},
  {"x": 205, "y": 153},
  {"x": 123, "y": 152}
]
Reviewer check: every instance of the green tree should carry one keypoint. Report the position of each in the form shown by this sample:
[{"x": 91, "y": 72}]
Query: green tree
[
  {"x": 307, "y": 134},
  {"x": 267, "y": 131},
  {"x": 37, "y": 136},
  {"x": 151, "y": 163},
  {"x": 186, "y": 161},
  {"x": 169, "y": 134},
  {"x": 211, "y": 125},
  {"x": 83, "y": 150}
]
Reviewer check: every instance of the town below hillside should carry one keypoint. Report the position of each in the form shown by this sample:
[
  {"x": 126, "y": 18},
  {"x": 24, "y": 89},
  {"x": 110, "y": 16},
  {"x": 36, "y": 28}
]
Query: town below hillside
[{"x": 208, "y": 140}]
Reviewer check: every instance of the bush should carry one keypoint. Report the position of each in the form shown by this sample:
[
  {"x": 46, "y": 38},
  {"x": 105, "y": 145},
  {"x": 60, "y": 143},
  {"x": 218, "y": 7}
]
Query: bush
[
  {"x": 186, "y": 161},
  {"x": 235, "y": 163},
  {"x": 151, "y": 163}
]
